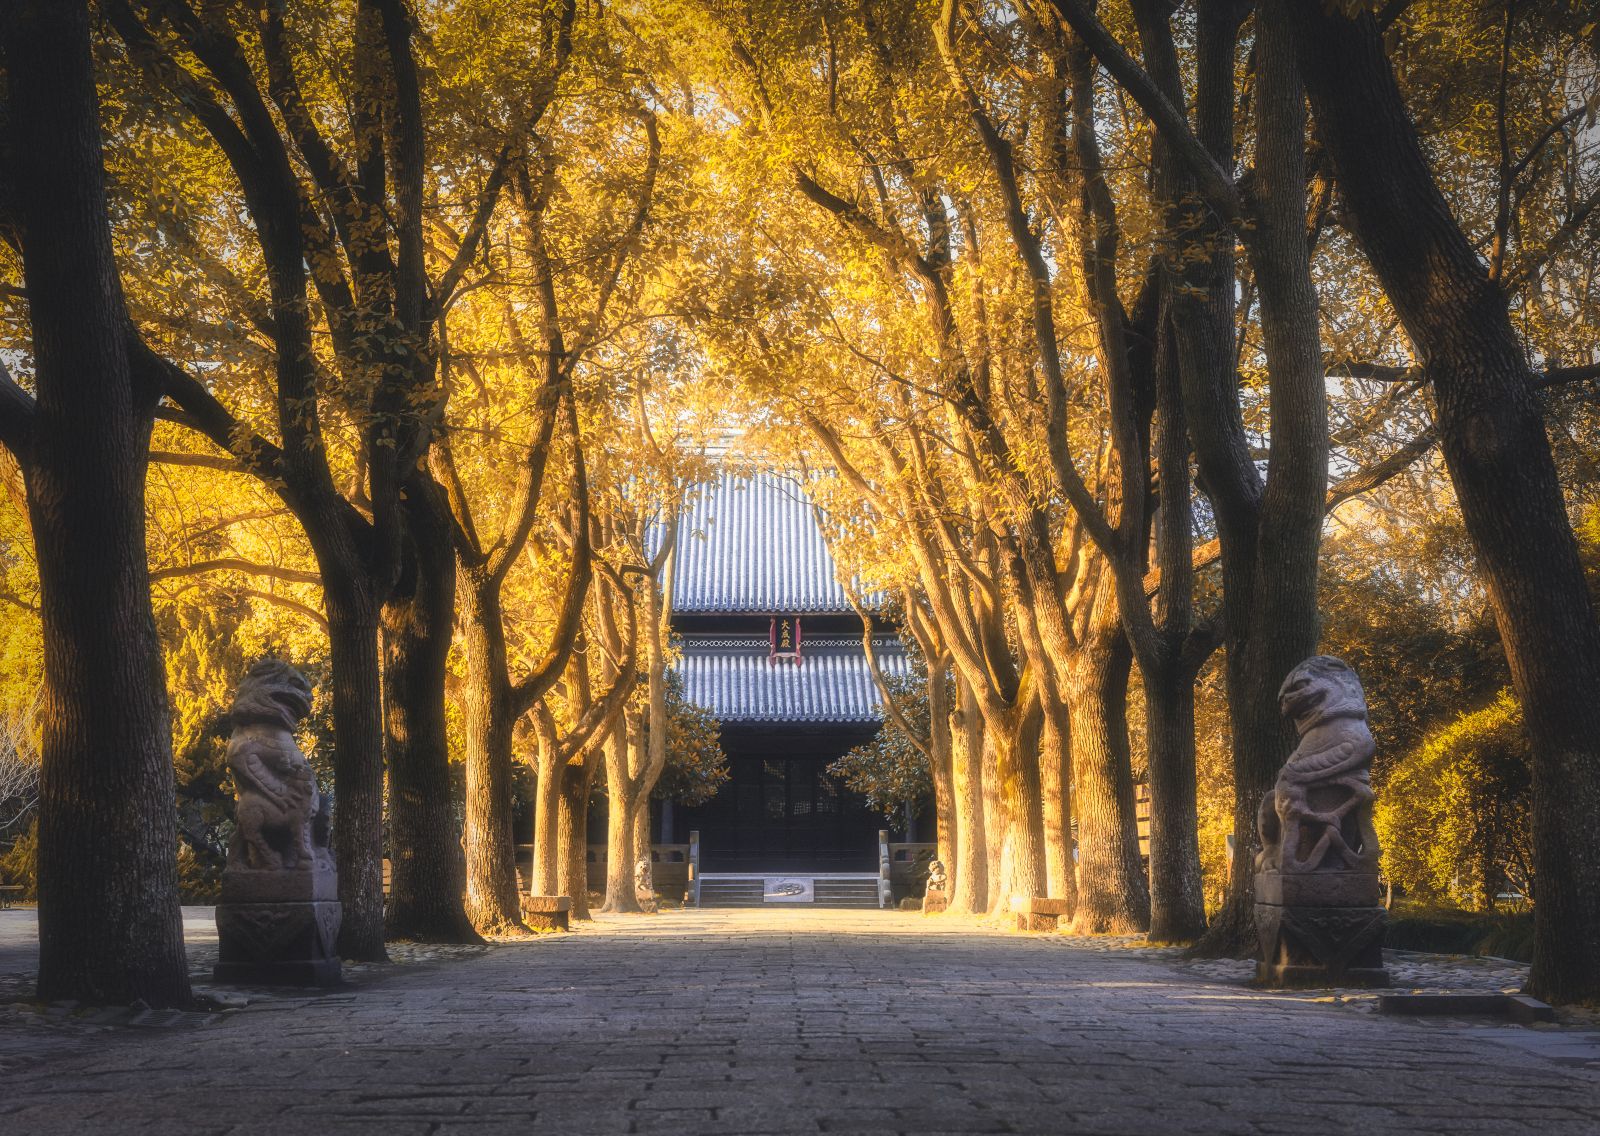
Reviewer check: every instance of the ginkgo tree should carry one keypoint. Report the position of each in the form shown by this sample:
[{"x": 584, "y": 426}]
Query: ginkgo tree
[{"x": 1096, "y": 332}]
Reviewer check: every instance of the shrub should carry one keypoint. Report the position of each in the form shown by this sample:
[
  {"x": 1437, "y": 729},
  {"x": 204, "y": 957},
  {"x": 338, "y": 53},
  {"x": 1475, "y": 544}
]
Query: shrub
[
  {"x": 1452, "y": 931},
  {"x": 1453, "y": 816},
  {"x": 199, "y": 877},
  {"x": 20, "y": 864}
]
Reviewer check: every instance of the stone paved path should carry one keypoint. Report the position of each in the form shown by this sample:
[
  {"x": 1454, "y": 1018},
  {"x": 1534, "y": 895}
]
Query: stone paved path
[{"x": 801, "y": 1022}]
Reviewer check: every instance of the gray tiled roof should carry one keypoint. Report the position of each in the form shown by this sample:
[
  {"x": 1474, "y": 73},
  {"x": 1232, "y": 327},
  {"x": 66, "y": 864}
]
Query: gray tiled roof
[
  {"x": 751, "y": 544},
  {"x": 736, "y": 681}
]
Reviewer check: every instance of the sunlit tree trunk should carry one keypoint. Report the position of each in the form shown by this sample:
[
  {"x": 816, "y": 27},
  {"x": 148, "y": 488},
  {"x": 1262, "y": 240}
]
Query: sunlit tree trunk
[
  {"x": 994, "y": 818},
  {"x": 620, "y": 750},
  {"x": 641, "y": 845},
  {"x": 970, "y": 872},
  {"x": 492, "y": 901},
  {"x": 655, "y": 755},
  {"x": 940, "y": 764},
  {"x": 1113, "y": 895},
  {"x": 546, "y": 874},
  {"x": 572, "y": 839},
  {"x": 1055, "y": 767},
  {"x": 1018, "y": 864},
  {"x": 1043, "y": 739}
]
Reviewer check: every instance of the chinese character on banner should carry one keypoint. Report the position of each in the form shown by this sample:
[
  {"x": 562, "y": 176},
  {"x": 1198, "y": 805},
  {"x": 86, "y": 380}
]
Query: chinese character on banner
[{"x": 785, "y": 638}]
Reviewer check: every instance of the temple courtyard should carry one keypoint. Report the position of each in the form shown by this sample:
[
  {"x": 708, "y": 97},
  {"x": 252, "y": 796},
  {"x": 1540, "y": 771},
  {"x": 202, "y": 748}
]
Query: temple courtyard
[{"x": 787, "y": 1022}]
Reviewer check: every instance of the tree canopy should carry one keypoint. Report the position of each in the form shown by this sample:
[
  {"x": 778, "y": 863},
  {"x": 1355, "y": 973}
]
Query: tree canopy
[{"x": 1130, "y": 353}]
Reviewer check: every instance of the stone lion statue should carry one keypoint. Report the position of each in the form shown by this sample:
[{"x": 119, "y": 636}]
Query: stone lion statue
[
  {"x": 279, "y": 807},
  {"x": 1318, "y": 816},
  {"x": 644, "y": 883},
  {"x": 937, "y": 879}
]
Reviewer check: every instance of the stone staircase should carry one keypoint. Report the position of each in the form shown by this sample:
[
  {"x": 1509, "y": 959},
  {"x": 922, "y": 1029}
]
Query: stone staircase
[
  {"x": 847, "y": 892},
  {"x": 740, "y": 890}
]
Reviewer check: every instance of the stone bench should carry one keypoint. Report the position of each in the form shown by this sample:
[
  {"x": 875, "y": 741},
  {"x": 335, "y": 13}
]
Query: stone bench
[
  {"x": 547, "y": 912},
  {"x": 1040, "y": 914}
]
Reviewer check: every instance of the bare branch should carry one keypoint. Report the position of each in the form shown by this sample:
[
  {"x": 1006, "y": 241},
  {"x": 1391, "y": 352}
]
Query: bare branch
[{"x": 236, "y": 564}]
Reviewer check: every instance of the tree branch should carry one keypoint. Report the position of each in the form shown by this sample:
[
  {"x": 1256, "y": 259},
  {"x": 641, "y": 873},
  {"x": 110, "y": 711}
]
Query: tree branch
[
  {"x": 1215, "y": 184},
  {"x": 16, "y": 416},
  {"x": 235, "y": 564},
  {"x": 207, "y": 415},
  {"x": 538, "y": 682},
  {"x": 199, "y": 461},
  {"x": 444, "y": 289}
]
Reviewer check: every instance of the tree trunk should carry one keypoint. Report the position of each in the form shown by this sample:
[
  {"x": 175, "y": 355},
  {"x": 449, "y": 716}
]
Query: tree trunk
[
  {"x": 641, "y": 845},
  {"x": 428, "y": 870},
  {"x": 620, "y": 800},
  {"x": 1022, "y": 859},
  {"x": 572, "y": 840},
  {"x": 994, "y": 817},
  {"x": 492, "y": 901},
  {"x": 1200, "y": 285},
  {"x": 970, "y": 871},
  {"x": 1283, "y": 623},
  {"x": 1491, "y": 429},
  {"x": 1169, "y": 661},
  {"x": 1177, "y": 898},
  {"x": 109, "y": 924},
  {"x": 1113, "y": 894},
  {"x": 357, "y": 767},
  {"x": 944, "y": 805},
  {"x": 1055, "y": 766},
  {"x": 654, "y": 757},
  {"x": 546, "y": 875}
]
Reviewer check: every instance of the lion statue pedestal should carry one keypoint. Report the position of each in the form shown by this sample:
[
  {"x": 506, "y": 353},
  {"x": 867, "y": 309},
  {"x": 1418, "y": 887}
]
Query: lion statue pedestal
[
  {"x": 1317, "y": 911},
  {"x": 278, "y": 916}
]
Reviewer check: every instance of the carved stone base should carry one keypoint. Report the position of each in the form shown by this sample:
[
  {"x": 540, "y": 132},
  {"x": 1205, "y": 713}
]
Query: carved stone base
[
  {"x": 1040, "y": 914},
  {"x": 934, "y": 902},
  {"x": 1318, "y": 978},
  {"x": 317, "y": 881},
  {"x": 546, "y": 912},
  {"x": 1310, "y": 946},
  {"x": 278, "y": 944}
]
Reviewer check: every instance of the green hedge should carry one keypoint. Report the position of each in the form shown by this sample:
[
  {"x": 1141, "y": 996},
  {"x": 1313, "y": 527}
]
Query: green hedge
[{"x": 1452, "y": 931}]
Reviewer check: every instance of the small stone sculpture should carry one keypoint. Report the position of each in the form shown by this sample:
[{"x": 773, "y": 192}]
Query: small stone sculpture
[
  {"x": 1317, "y": 910},
  {"x": 935, "y": 897},
  {"x": 278, "y": 915},
  {"x": 644, "y": 883}
]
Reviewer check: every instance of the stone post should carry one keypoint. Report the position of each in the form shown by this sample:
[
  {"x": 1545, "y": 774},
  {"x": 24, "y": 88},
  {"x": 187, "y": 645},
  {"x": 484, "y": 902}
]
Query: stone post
[{"x": 885, "y": 885}]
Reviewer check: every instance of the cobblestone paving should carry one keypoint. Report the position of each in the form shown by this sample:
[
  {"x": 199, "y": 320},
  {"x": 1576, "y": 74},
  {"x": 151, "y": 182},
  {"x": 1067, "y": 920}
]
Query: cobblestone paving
[{"x": 791, "y": 1022}]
